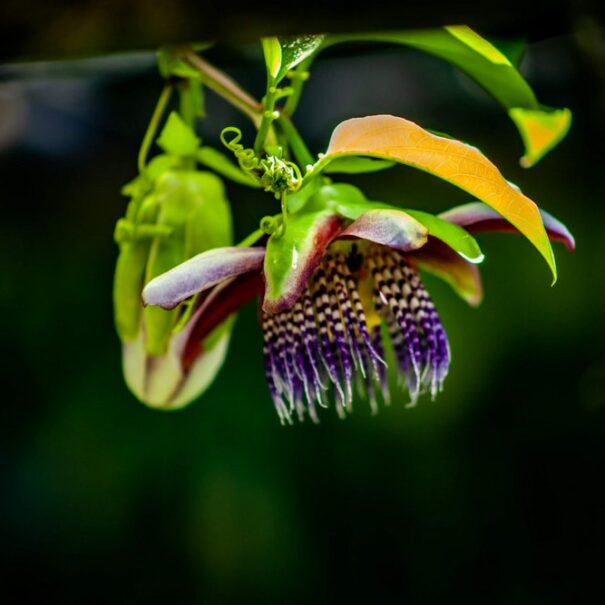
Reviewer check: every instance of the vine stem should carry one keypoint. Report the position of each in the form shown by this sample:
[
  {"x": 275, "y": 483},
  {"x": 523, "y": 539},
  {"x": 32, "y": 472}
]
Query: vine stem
[
  {"x": 299, "y": 148},
  {"x": 154, "y": 123},
  {"x": 267, "y": 116},
  {"x": 284, "y": 212},
  {"x": 225, "y": 87},
  {"x": 297, "y": 83},
  {"x": 187, "y": 113}
]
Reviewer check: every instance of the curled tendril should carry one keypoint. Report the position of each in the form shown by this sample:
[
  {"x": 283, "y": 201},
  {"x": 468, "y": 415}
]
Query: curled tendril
[
  {"x": 272, "y": 225},
  {"x": 273, "y": 173},
  {"x": 247, "y": 158}
]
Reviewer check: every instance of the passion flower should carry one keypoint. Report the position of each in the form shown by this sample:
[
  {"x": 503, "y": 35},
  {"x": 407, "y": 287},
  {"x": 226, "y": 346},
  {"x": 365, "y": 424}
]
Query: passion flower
[{"x": 337, "y": 291}]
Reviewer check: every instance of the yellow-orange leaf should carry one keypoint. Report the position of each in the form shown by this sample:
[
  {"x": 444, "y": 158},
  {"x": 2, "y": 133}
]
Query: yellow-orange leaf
[
  {"x": 394, "y": 138},
  {"x": 540, "y": 131}
]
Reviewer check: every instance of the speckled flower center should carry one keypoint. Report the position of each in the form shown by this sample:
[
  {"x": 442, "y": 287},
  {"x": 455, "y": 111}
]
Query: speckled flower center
[{"x": 331, "y": 342}]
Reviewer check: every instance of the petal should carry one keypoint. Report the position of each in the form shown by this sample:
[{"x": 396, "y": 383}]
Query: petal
[
  {"x": 200, "y": 273},
  {"x": 477, "y": 217},
  {"x": 439, "y": 259},
  {"x": 161, "y": 381},
  {"x": 393, "y": 228},
  {"x": 227, "y": 298},
  {"x": 293, "y": 256},
  {"x": 195, "y": 354},
  {"x": 350, "y": 203}
]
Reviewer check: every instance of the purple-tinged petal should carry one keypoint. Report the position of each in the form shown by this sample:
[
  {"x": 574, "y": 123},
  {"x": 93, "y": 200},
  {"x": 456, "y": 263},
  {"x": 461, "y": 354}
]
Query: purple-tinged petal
[
  {"x": 293, "y": 256},
  {"x": 161, "y": 382},
  {"x": 439, "y": 259},
  {"x": 200, "y": 273},
  {"x": 476, "y": 217},
  {"x": 393, "y": 228}
]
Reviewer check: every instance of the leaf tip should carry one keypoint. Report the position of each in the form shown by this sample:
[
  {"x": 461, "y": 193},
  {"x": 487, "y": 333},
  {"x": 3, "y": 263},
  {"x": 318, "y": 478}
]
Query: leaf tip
[
  {"x": 475, "y": 260},
  {"x": 541, "y": 130}
]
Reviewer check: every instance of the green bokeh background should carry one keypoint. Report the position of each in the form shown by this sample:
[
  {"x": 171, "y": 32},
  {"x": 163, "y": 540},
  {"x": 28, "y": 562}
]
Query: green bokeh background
[{"x": 490, "y": 494}]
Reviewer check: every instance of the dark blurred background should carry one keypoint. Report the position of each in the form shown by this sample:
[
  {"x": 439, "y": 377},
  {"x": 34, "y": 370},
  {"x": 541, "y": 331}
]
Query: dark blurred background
[{"x": 489, "y": 494}]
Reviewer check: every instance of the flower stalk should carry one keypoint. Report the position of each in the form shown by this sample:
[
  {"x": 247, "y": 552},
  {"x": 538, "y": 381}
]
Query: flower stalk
[
  {"x": 224, "y": 86},
  {"x": 154, "y": 124}
]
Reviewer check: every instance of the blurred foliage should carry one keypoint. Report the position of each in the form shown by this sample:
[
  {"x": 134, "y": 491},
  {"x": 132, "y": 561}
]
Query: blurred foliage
[{"x": 489, "y": 494}]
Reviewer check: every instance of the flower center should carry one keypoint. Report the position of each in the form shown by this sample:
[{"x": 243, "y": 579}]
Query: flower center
[{"x": 332, "y": 341}]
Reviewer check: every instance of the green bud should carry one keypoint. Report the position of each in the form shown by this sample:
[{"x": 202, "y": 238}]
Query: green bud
[
  {"x": 173, "y": 215},
  {"x": 193, "y": 206},
  {"x": 130, "y": 269}
]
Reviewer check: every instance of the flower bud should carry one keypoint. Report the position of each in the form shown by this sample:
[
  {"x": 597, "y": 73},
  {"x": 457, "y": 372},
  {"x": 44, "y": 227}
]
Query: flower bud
[{"x": 182, "y": 213}]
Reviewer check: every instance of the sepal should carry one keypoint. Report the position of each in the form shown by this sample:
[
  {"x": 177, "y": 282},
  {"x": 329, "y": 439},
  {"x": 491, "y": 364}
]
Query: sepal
[{"x": 294, "y": 254}]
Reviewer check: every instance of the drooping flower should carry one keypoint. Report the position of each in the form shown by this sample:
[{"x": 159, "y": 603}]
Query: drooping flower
[
  {"x": 339, "y": 288},
  {"x": 338, "y": 276}
]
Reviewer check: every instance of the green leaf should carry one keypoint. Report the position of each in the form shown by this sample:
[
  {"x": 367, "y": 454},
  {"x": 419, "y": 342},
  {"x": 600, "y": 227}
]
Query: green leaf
[
  {"x": 273, "y": 56},
  {"x": 478, "y": 44},
  {"x": 513, "y": 49},
  {"x": 540, "y": 131},
  {"x": 177, "y": 138},
  {"x": 219, "y": 162},
  {"x": 282, "y": 55},
  {"x": 491, "y": 69},
  {"x": 297, "y": 201},
  {"x": 357, "y": 165},
  {"x": 341, "y": 198}
]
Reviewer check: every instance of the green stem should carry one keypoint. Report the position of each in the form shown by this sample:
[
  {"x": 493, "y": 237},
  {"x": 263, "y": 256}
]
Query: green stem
[
  {"x": 284, "y": 212},
  {"x": 251, "y": 239},
  {"x": 297, "y": 83},
  {"x": 185, "y": 104},
  {"x": 301, "y": 152},
  {"x": 268, "y": 117},
  {"x": 224, "y": 86},
  {"x": 154, "y": 123}
]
